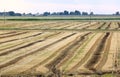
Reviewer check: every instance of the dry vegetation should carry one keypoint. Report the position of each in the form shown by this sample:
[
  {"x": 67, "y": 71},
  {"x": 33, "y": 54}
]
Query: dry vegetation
[{"x": 83, "y": 48}]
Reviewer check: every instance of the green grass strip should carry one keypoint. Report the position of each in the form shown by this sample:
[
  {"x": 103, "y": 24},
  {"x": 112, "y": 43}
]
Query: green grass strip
[{"x": 58, "y": 19}]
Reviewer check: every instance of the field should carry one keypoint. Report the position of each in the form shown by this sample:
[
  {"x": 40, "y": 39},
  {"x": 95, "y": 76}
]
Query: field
[{"x": 60, "y": 48}]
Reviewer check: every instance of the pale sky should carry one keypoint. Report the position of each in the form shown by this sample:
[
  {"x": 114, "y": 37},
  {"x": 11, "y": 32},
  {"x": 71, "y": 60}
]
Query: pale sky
[{"x": 34, "y": 6}]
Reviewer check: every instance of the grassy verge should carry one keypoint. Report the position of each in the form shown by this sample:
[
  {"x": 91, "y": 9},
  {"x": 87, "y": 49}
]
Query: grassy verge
[
  {"x": 33, "y": 19},
  {"x": 54, "y": 18},
  {"x": 57, "y": 30}
]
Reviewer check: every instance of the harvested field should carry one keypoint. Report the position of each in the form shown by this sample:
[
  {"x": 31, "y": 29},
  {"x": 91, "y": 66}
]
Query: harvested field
[{"x": 59, "y": 48}]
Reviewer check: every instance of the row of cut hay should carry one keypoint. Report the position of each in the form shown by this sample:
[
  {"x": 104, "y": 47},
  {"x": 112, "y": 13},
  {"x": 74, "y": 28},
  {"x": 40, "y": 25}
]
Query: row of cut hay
[
  {"x": 113, "y": 52},
  {"x": 76, "y": 62},
  {"x": 22, "y": 44},
  {"x": 34, "y": 49},
  {"x": 79, "y": 24},
  {"x": 51, "y": 55}
]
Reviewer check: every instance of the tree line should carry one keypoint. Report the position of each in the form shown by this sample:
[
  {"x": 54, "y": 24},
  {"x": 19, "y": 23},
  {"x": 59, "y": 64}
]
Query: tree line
[
  {"x": 76, "y": 12},
  {"x": 65, "y": 12},
  {"x": 10, "y": 13}
]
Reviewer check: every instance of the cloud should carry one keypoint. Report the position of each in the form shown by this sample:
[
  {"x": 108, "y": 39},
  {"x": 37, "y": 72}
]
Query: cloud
[
  {"x": 16, "y": 5},
  {"x": 34, "y": 6}
]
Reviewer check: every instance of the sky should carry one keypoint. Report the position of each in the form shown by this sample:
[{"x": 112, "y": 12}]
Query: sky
[{"x": 35, "y": 6}]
